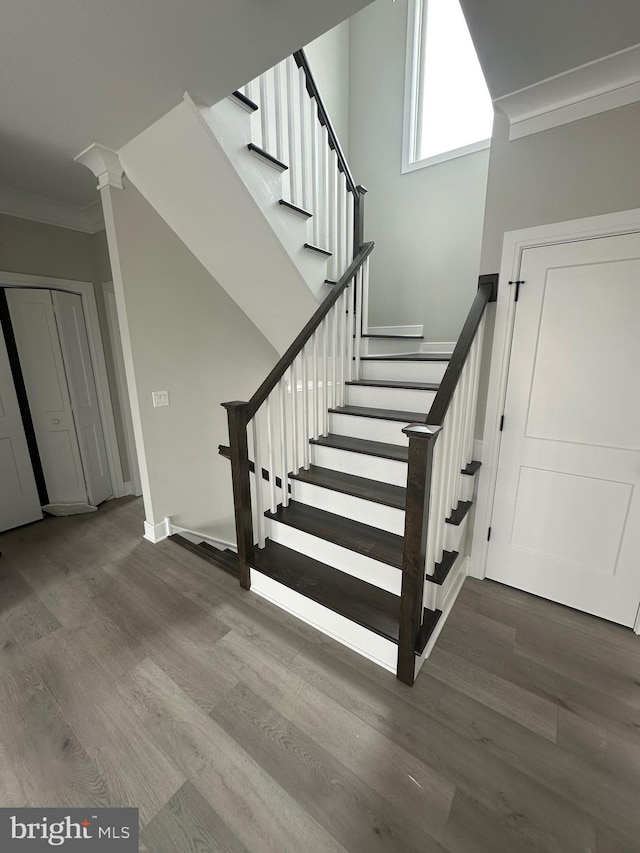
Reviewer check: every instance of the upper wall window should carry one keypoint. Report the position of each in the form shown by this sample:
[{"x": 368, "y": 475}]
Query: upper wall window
[{"x": 448, "y": 109}]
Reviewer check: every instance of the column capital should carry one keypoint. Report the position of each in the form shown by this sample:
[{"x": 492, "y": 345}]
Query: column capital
[{"x": 104, "y": 163}]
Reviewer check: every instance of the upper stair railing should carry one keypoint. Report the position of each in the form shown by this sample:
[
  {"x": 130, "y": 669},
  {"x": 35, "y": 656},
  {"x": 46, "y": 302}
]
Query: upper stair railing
[
  {"x": 439, "y": 451},
  {"x": 294, "y": 127},
  {"x": 291, "y": 407}
]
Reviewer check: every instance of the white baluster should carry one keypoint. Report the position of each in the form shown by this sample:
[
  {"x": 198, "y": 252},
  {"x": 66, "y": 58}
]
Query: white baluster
[
  {"x": 358, "y": 323},
  {"x": 315, "y": 176},
  {"x": 279, "y": 102},
  {"x": 283, "y": 443},
  {"x": 334, "y": 355},
  {"x": 436, "y": 487},
  {"x": 343, "y": 325},
  {"x": 264, "y": 113},
  {"x": 295, "y": 439},
  {"x": 257, "y": 461},
  {"x": 350, "y": 330},
  {"x": 326, "y": 201},
  {"x": 349, "y": 228},
  {"x": 306, "y": 435},
  {"x": 316, "y": 394},
  {"x": 325, "y": 376},
  {"x": 342, "y": 222},
  {"x": 294, "y": 122},
  {"x": 365, "y": 297},
  {"x": 334, "y": 219},
  {"x": 306, "y": 143},
  {"x": 271, "y": 455}
]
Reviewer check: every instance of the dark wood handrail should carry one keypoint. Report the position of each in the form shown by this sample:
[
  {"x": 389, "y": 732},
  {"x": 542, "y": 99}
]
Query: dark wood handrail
[
  {"x": 288, "y": 358},
  {"x": 312, "y": 89},
  {"x": 487, "y": 290}
]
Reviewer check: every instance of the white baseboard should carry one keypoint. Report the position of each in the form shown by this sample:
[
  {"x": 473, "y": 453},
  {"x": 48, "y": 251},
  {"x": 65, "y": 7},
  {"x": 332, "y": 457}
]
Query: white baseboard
[
  {"x": 438, "y": 347},
  {"x": 395, "y": 330},
  {"x": 369, "y": 645},
  {"x": 196, "y": 537},
  {"x": 157, "y": 532},
  {"x": 477, "y": 450}
]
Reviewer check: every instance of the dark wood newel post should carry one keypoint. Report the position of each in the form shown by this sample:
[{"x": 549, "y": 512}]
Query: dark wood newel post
[
  {"x": 422, "y": 439},
  {"x": 358, "y": 224},
  {"x": 237, "y": 416}
]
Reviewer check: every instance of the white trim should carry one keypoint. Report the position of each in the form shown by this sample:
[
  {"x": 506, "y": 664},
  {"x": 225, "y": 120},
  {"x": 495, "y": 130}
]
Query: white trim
[
  {"x": 609, "y": 82},
  {"x": 135, "y": 486},
  {"x": 636, "y": 624},
  {"x": 37, "y": 209},
  {"x": 396, "y": 330},
  {"x": 196, "y": 537},
  {"x": 86, "y": 291},
  {"x": 461, "y": 573},
  {"x": 438, "y": 347},
  {"x": 453, "y": 154},
  {"x": 515, "y": 242},
  {"x": 157, "y": 532},
  {"x": 367, "y": 643},
  {"x": 104, "y": 163}
]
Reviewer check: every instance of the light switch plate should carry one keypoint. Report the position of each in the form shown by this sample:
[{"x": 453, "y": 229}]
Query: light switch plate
[{"x": 160, "y": 398}]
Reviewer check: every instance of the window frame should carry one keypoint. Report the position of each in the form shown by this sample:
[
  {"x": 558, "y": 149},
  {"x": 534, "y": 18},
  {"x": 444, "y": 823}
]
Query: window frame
[{"x": 416, "y": 22}]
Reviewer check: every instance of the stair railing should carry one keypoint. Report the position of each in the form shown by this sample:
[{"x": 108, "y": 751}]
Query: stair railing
[
  {"x": 439, "y": 450},
  {"x": 291, "y": 407},
  {"x": 293, "y": 125}
]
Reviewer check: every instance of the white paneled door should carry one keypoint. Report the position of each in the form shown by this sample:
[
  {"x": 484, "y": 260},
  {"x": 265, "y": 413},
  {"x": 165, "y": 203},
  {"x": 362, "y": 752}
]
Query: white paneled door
[
  {"x": 19, "y": 501},
  {"x": 566, "y": 518},
  {"x": 84, "y": 398}
]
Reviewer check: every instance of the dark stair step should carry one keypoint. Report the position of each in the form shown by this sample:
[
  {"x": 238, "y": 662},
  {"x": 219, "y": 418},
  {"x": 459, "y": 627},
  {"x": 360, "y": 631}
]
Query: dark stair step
[
  {"x": 381, "y": 414},
  {"x": 246, "y": 103},
  {"x": 363, "y": 445},
  {"x": 409, "y": 356},
  {"x": 388, "y": 383},
  {"x": 366, "y": 605},
  {"x": 299, "y": 211},
  {"x": 443, "y": 568},
  {"x": 324, "y": 252},
  {"x": 226, "y": 560},
  {"x": 396, "y": 337},
  {"x": 361, "y": 538},
  {"x": 459, "y": 513},
  {"x": 472, "y": 468},
  {"x": 269, "y": 158},
  {"x": 330, "y": 281},
  {"x": 349, "y": 484}
]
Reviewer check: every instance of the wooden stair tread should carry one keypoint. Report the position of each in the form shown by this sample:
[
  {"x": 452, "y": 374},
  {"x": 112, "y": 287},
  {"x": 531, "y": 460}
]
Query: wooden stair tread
[
  {"x": 430, "y": 619},
  {"x": 245, "y": 102},
  {"x": 362, "y": 538},
  {"x": 389, "y": 383},
  {"x": 409, "y": 356},
  {"x": 396, "y": 337},
  {"x": 226, "y": 560},
  {"x": 381, "y": 414},
  {"x": 273, "y": 161},
  {"x": 325, "y": 252},
  {"x": 397, "y": 452},
  {"x": 349, "y": 484},
  {"x": 443, "y": 568},
  {"x": 362, "y": 603},
  {"x": 299, "y": 211},
  {"x": 459, "y": 513},
  {"x": 472, "y": 468}
]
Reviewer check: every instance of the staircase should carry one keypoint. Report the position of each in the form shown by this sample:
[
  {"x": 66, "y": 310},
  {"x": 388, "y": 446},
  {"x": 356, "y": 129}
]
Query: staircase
[{"x": 352, "y": 464}]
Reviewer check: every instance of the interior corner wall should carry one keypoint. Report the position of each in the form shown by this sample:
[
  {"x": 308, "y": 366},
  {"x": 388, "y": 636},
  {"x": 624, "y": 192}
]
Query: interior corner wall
[
  {"x": 189, "y": 338},
  {"x": 427, "y": 224},
  {"x": 329, "y": 60}
]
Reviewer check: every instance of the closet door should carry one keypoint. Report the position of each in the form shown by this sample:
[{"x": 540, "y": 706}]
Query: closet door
[
  {"x": 38, "y": 344},
  {"x": 19, "y": 502}
]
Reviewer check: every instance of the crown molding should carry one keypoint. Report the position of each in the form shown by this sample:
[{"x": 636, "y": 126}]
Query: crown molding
[
  {"x": 37, "y": 209},
  {"x": 610, "y": 82},
  {"x": 104, "y": 163}
]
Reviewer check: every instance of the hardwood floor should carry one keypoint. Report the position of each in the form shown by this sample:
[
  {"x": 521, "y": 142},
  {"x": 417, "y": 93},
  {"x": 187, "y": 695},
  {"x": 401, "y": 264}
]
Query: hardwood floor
[{"x": 140, "y": 675}]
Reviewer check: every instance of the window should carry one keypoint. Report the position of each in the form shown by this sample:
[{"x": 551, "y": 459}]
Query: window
[{"x": 448, "y": 109}]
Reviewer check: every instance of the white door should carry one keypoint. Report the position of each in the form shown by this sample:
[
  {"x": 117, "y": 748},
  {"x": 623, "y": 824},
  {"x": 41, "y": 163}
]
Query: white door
[
  {"x": 566, "y": 519},
  {"x": 36, "y": 334},
  {"x": 19, "y": 501},
  {"x": 84, "y": 398}
]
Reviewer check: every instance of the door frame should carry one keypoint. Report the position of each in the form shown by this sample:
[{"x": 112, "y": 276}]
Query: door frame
[
  {"x": 515, "y": 242},
  {"x": 86, "y": 291}
]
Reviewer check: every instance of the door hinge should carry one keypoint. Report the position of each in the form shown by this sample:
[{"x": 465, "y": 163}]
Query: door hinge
[
  {"x": 517, "y": 284},
  {"x": 489, "y": 535},
  {"x": 501, "y": 423}
]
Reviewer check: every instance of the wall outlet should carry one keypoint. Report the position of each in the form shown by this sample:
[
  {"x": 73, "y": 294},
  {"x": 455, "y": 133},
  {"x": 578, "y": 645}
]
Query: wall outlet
[{"x": 160, "y": 398}]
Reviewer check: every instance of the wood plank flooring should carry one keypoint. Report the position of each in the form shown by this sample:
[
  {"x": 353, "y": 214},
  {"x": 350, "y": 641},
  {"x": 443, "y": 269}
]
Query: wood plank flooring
[{"x": 140, "y": 675}]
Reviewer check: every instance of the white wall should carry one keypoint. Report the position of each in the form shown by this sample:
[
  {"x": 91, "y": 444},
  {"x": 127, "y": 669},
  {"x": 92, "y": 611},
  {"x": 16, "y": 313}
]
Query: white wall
[
  {"x": 187, "y": 337},
  {"x": 427, "y": 224},
  {"x": 329, "y": 60}
]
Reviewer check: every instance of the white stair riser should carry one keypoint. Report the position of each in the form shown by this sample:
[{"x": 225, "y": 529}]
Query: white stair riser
[
  {"x": 365, "y": 642},
  {"x": 467, "y": 487},
  {"x": 454, "y": 534},
  {"x": 372, "y": 429},
  {"x": 360, "y": 465},
  {"x": 357, "y": 565},
  {"x": 400, "y": 399},
  {"x": 389, "y": 346},
  {"x": 411, "y": 371},
  {"x": 377, "y": 515}
]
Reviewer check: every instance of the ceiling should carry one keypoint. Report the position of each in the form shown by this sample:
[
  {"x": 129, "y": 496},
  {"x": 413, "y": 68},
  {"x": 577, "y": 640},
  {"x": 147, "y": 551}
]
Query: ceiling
[
  {"x": 73, "y": 72},
  {"x": 521, "y": 42}
]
